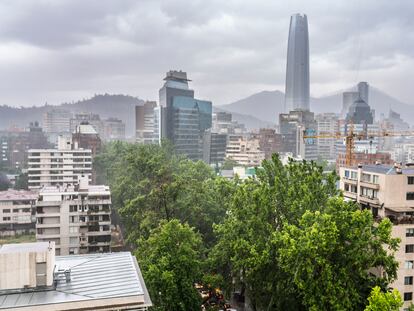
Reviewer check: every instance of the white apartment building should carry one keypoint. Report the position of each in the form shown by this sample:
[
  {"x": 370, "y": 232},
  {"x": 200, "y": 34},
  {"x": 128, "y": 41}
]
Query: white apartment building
[
  {"x": 77, "y": 217},
  {"x": 17, "y": 209},
  {"x": 64, "y": 165},
  {"x": 389, "y": 192},
  {"x": 244, "y": 151}
]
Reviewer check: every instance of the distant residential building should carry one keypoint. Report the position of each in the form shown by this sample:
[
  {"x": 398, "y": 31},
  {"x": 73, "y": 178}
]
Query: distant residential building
[
  {"x": 86, "y": 137},
  {"x": 15, "y": 143},
  {"x": 270, "y": 142},
  {"x": 183, "y": 119},
  {"x": 240, "y": 171},
  {"x": 214, "y": 147},
  {"x": 17, "y": 212},
  {"x": 114, "y": 129},
  {"x": 40, "y": 281},
  {"x": 146, "y": 122},
  {"x": 388, "y": 191},
  {"x": 76, "y": 217},
  {"x": 88, "y": 118},
  {"x": 326, "y": 125},
  {"x": 245, "y": 151},
  {"x": 293, "y": 126},
  {"x": 223, "y": 123},
  {"x": 64, "y": 165}
]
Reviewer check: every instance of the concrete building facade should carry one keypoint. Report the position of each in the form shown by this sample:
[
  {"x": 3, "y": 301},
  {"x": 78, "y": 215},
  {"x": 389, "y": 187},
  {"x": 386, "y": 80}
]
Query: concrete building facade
[
  {"x": 77, "y": 218},
  {"x": 388, "y": 191},
  {"x": 17, "y": 212},
  {"x": 64, "y": 165}
]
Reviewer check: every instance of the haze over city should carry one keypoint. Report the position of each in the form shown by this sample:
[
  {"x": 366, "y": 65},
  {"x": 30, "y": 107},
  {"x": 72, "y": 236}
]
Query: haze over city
[{"x": 62, "y": 51}]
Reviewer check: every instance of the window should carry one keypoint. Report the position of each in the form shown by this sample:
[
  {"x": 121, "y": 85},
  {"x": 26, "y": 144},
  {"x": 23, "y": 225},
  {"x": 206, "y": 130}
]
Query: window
[
  {"x": 73, "y": 208},
  {"x": 6, "y": 218},
  {"x": 409, "y": 248},
  {"x": 6, "y": 211},
  {"x": 375, "y": 179},
  {"x": 354, "y": 175},
  {"x": 409, "y": 232},
  {"x": 409, "y": 264},
  {"x": 408, "y": 296},
  {"x": 408, "y": 280},
  {"x": 410, "y": 195},
  {"x": 366, "y": 177},
  {"x": 346, "y": 173},
  {"x": 347, "y": 187},
  {"x": 73, "y": 229},
  {"x": 410, "y": 180}
]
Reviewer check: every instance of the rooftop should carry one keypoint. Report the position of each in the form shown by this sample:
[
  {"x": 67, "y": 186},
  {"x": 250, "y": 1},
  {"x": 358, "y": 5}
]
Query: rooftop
[
  {"x": 110, "y": 281},
  {"x": 387, "y": 169},
  {"x": 12, "y": 195},
  {"x": 24, "y": 248}
]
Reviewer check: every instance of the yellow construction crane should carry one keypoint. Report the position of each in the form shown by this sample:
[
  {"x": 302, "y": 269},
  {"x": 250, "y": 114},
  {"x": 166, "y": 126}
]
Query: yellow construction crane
[{"x": 352, "y": 136}]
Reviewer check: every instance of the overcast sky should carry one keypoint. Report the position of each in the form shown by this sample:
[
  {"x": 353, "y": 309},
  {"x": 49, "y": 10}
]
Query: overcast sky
[{"x": 55, "y": 51}]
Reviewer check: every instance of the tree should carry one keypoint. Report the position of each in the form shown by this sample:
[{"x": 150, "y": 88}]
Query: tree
[
  {"x": 337, "y": 255},
  {"x": 22, "y": 182},
  {"x": 4, "y": 182},
  {"x": 274, "y": 222},
  {"x": 380, "y": 301},
  {"x": 171, "y": 262},
  {"x": 228, "y": 164}
]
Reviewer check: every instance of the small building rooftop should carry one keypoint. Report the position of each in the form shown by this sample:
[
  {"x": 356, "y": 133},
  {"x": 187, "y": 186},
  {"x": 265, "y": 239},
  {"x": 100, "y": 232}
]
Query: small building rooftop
[
  {"x": 109, "y": 281},
  {"x": 13, "y": 195},
  {"x": 387, "y": 169},
  {"x": 24, "y": 247}
]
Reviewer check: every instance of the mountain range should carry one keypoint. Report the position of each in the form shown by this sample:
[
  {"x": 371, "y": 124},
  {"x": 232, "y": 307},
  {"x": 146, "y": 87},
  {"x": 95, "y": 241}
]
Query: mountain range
[
  {"x": 255, "y": 111},
  {"x": 267, "y": 105}
]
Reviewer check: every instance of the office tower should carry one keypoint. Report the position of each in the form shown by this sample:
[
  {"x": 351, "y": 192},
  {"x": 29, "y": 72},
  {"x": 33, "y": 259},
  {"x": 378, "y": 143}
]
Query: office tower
[
  {"x": 348, "y": 98},
  {"x": 363, "y": 90},
  {"x": 327, "y": 125},
  {"x": 360, "y": 113},
  {"x": 61, "y": 166},
  {"x": 76, "y": 217},
  {"x": 146, "y": 123},
  {"x": 183, "y": 119},
  {"x": 297, "y": 69},
  {"x": 114, "y": 129},
  {"x": 214, "y": 147},
  {"x": 56, "y": 122},
  {"x": 223, "y": 123},
  {"x": 292, "y": 127}
]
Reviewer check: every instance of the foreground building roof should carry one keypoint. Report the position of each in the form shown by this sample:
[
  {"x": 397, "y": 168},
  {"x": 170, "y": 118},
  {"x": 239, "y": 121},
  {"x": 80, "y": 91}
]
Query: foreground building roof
[{"x": 109, "y": 281}]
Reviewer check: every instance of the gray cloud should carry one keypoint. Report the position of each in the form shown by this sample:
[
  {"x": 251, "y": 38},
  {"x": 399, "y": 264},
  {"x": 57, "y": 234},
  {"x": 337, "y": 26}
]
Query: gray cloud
[{"x": 64, "y": 50}]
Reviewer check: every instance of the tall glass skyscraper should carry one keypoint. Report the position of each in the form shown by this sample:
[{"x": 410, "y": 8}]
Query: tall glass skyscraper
[
  {"x": 297, "y": 69},
  {"x": 183, "y": 119}
]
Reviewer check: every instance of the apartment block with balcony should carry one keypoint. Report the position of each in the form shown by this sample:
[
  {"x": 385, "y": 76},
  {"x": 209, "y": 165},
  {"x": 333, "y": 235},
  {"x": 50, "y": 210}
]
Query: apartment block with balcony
[
  {"x": 388, "y": 191},
  {"x": 17, "y": 215},
  {"x": 59, "y": 167},
  {"x": 76, "y": 217}
]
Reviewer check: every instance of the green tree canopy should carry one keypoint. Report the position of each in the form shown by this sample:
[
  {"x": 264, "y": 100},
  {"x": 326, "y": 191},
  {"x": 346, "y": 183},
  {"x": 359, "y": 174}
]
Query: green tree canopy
[
  {"x": 380, "y": 301},
  {"x": 171, "y": 262}
]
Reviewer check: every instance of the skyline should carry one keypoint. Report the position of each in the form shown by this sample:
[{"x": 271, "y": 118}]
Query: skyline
[{"x": 230, "y": 51}]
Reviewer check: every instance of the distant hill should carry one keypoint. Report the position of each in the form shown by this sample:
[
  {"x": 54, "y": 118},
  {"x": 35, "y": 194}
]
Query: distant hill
[
  {"x": 250, "y": 122},
  {"x": 117, "y": 106},
  {"x": 267, "y": 105}
]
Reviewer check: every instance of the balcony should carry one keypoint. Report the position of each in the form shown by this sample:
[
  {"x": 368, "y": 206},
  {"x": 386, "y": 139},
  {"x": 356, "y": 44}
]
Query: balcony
[
  {"x": 369, "y": 185},
  {"x": 350, "y": 195},
  {"x": 370, "y": 200},
  {"x": 350, "y": 181},
  {"x": 56, "y": 225}
]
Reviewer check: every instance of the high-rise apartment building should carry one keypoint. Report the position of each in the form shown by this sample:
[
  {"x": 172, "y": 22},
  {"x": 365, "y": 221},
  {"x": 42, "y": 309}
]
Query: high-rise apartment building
[
  {"x": 146, "y": 123},
  {"x": 214, "y": 147},
  {"x": 388, "y": 191},
  {"x": 86, "y": 137},
  {"x": 183, "y": 119},
  {"x": 76, "y": 217},
  {"x": 223, "y": 123},
  {"x": 57, "y": 121},
  {"x": 297, "y": 69},
  {"x": 87, "y": 118},
  {"x": 244, "y": 150},
  {"x": 270, "y": 142},
  {"x": 64, "y": 165}
]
